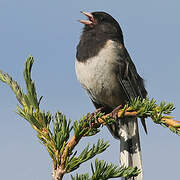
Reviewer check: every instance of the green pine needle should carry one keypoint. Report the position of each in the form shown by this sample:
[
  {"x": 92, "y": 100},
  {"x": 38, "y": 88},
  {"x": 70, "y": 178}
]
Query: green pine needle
[
  {"x": 86, "y": 154},
  {"x": 104, "y": 171},
  {"x": 61, "y": 130},
  {"x": 81, "y": 177}
]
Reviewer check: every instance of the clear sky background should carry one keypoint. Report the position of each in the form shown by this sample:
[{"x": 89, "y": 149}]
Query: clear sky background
[{"x": 50, "y": 32}]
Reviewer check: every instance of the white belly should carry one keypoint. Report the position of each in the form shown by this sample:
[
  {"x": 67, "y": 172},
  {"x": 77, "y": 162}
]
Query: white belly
[{"x": 98, "y": 76}]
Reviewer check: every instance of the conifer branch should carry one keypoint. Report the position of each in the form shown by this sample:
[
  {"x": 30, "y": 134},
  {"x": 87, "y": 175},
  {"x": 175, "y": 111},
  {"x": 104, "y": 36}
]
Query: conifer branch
[
  {"x": 148, "y": 108},
  {"x": 57, "y": 140},
  {"x": 104, "y": 171}
]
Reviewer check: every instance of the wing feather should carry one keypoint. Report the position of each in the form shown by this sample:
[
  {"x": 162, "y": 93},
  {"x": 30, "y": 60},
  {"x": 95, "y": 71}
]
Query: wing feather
[{"x": 129, "y": 79}]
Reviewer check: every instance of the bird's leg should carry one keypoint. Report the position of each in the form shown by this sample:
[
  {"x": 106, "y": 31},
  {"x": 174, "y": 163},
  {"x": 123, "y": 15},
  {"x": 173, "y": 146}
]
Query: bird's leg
[
  {"x": 115, "y": 111},
  {"x": 93, "y": 116},
  {"x": 99, "y": 110}
]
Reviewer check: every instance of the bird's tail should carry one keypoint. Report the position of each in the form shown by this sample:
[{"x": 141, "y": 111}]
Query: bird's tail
[
  {"x": 126, "y": 130},
  {"x": 130, "y": 149}
]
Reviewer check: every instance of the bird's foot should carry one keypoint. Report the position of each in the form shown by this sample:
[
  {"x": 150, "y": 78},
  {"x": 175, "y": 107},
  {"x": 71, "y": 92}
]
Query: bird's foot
[
  {"x": 115, "y": 111},
  {"x": 99, "y": 110},
  {"x": 93, "y": 116}
]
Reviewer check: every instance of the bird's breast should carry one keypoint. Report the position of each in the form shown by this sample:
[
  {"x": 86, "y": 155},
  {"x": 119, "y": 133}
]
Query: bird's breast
[{"x": 98, "y": 76}]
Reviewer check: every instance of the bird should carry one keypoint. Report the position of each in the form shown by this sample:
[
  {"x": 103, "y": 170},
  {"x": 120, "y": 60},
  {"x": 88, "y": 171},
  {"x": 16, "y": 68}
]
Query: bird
[{"x": 105, "y": 70}]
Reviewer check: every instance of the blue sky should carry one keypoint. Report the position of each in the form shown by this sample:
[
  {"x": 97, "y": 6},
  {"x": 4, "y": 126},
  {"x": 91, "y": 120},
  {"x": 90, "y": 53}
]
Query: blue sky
[{"x": 50, "y": 32}]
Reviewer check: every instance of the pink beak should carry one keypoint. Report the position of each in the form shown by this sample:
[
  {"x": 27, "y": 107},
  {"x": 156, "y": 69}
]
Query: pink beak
[{"x": 90, "y": 18}]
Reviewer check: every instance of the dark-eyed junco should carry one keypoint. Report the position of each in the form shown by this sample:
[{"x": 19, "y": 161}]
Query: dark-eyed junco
[{"x": 107, "y": 73}]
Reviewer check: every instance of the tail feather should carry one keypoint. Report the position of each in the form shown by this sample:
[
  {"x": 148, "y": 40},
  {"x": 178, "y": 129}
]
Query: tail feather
[
  {"x": 126, "y": 130},
  {"x": 130, "y": 149}
]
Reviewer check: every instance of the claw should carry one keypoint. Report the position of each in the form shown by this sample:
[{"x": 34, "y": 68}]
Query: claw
[{"x": 115, "y": 112}]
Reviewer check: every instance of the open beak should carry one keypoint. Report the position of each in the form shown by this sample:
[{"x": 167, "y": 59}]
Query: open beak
[{"x": 90, "y": 20}]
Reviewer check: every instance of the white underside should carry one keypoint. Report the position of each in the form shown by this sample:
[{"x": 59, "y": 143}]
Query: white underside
[{"x": 98, "y": 76}]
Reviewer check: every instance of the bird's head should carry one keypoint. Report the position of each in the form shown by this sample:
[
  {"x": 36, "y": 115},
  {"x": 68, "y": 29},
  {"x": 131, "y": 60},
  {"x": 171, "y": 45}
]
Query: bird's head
[{"x": 101, "y": 22}]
